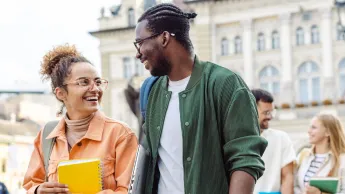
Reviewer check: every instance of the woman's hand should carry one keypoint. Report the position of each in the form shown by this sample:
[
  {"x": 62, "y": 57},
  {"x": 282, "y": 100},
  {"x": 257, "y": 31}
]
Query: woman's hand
[
  {"x": 52, "y": 187},
  {"x": 312, "y": 190}
]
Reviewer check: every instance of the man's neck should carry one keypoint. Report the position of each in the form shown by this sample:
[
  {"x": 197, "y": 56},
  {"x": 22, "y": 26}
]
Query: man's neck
[{"x": 181, "y": 67}]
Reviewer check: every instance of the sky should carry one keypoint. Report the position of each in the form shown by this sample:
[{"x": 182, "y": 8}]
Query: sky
[{"x": 28, "y": 29}]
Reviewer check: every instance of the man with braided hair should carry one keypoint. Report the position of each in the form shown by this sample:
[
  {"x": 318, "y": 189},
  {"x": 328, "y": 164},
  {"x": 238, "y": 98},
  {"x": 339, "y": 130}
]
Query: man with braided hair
[{"x": 201, "y": 121}]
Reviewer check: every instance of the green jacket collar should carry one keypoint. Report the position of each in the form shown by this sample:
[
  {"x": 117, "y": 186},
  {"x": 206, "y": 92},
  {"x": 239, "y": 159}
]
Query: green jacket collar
[{"x": 195, "y": 77}]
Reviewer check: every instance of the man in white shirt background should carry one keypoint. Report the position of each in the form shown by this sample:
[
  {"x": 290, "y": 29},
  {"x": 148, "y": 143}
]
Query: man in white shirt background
[{"x": 279, "y": 156}]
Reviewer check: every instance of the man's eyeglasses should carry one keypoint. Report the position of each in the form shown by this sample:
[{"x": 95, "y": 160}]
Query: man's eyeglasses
[
  {"x": 270, "y": 113},
  {"x": 139, "y": 42},
  {"x": 86, "y": 82}
]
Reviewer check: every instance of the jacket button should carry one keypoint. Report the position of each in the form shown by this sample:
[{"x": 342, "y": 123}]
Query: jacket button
[
  {"x": 186, "y": 123},
  {"x": 159, "y": 127},
  {"x": 189, "y": 159},
  {"x": 184, "y": 95},
  {"x": 167, "y": 95}
]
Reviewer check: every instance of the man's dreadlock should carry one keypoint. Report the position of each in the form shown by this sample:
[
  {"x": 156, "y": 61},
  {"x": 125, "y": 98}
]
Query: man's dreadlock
[{"x": 168, "y": 17}]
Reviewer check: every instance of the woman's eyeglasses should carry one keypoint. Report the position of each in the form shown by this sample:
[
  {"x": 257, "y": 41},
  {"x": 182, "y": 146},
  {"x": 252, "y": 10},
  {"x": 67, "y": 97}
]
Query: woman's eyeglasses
[{"x": 87, "y": 82}]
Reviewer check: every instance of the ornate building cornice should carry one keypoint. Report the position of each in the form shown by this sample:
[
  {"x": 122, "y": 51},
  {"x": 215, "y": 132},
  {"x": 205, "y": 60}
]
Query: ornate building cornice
[{"x": 112, "y": 30}]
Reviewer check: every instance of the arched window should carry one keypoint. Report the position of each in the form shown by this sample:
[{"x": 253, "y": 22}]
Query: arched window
[
  {"x": 309, "y": 82},
  {"x": 315, "y": 35},
  {"x": 299, "y": 36},
  {"x": 238, "y": 44},
  {"x": 261, "y": 41},
  {"x": 269, "y": 79},
  {"x": 131, "y": 17},
  {"x": 342, "y": 78},
  {"x": 275, "y": 40},
  {"x": 225, "y": 47}
]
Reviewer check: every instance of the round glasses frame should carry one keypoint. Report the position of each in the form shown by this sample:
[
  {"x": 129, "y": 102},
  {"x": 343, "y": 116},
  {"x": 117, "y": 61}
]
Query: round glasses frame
[{"x": 101, "y": 84}]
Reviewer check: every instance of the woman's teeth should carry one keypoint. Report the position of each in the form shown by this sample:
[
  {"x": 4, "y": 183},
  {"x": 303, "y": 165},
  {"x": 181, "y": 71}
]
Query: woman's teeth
[{"x": 91, "y": 98}]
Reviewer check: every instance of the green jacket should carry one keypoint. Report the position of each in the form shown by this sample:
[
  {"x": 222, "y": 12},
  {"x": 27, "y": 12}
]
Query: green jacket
[{"x": 220, "y": 129}]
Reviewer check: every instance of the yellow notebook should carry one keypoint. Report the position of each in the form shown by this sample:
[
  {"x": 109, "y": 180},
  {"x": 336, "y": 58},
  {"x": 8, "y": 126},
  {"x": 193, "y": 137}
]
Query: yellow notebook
[{"x": 82, "y": 176}]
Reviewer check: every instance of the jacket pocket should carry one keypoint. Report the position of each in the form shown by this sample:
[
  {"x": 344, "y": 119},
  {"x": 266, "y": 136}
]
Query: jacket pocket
[
  {"x": 108, "y": 172},
  {"x": 52, "y": 170}
]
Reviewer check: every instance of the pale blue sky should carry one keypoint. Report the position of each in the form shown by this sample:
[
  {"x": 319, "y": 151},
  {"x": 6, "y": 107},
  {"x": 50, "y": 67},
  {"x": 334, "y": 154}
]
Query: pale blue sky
[{"x": 28, "y": 29}]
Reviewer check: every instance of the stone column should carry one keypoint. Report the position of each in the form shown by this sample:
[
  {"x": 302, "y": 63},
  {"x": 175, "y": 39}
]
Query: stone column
[
  {"x": 203, "y": 32},
  {"x": 214, "y": 42},
  {"x": 286, "y": 89},
  {"x": 248, "y": 53},
  {"x": 328, "y": 89}
]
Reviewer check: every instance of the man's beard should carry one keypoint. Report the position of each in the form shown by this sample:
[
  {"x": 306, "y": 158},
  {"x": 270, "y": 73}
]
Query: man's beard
[
  {"x": 264, "y": 125},
  {"x": 162, "y": 67}
]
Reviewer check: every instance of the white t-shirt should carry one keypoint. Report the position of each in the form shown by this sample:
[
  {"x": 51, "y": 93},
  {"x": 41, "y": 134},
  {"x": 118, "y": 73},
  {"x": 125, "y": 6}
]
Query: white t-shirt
[
  {"x": 279, "y": 153},
  {"x": 170, "y": 149}
]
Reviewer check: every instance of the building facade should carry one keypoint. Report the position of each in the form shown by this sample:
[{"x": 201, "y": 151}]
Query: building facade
[
  {"x": 21, "y": 118},
  {"x": 292, "y": 48}
]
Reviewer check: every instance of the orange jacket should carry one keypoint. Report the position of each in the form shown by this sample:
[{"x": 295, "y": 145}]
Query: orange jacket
[{"x": 110, "y": 140}]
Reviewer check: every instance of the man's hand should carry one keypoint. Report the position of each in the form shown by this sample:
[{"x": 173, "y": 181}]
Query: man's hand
[
  {"x": 241, "y": 182},
  {"x": 51, "y": 187}
]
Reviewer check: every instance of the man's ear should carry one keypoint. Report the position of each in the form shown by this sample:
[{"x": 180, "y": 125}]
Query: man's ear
[
  {"x": 165, "y": 38},
  {"x": 60, "y": 93}
]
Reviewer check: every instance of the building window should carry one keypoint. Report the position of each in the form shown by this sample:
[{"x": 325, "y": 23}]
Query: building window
[
  {"x": 275, "y": 40},
  {"x": 127, "y": 68},
  {"x": 315, "y": 36},
  {"x": 261, "y": 41},
  {"x": 340, "y": 32},
  {"x": 269, "y": 79},
  {"x": 299, "y": 36},
  {"x": 3, "y": 166},
  {"x": 238, "y": 45},
  {"x": 309, "y": 82},
  {"x": 139, "y": 67},
  {"x": 225, "y": 47},
  {"x": 131, "y": 17},
  {"x": 342, "y": 78}
]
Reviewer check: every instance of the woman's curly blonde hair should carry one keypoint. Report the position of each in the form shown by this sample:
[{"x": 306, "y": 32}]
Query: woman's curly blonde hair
[
  {"x": 53, "y": 57},
  {"x": 56, "y": 65}
]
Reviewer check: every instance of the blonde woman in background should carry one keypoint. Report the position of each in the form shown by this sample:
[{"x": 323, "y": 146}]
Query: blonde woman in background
[{"x": 326, "y": 157}]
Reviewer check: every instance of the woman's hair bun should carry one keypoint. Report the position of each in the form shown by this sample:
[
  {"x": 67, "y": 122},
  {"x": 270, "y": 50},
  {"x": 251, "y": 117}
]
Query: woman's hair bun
[{"x": 52, "y": 58}]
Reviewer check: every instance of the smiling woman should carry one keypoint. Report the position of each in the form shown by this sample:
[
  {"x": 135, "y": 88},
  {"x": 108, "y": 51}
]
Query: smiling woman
[{"x": 83, "y": 132}]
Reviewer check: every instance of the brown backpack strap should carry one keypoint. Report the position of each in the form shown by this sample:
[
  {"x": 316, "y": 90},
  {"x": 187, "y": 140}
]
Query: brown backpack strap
[{"x": 47, "y": 144}]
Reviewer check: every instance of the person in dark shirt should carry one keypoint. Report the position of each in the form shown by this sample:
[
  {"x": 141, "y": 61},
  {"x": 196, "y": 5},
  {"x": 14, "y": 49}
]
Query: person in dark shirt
[
  {"x": 3, "y": 189},
  {"x": 201, "y": 121}
]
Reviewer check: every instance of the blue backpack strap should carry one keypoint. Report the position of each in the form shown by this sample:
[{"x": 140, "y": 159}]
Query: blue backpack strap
[{"x": 145, "y": 93}]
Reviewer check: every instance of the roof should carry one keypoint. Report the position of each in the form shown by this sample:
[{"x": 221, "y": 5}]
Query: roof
[
  {"x": 95, "y": 33},
  {"x": 197, "y": 1},
  {"x": 114, "y": 10},
  {"x": 26, "y": 128}
]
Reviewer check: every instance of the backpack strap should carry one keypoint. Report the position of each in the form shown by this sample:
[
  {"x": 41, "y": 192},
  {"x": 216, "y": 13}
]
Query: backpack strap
[
  {"x": 303, "y": 154},
  {"x": 48, "y": 144},
  {"x": 145, "y": 93}
]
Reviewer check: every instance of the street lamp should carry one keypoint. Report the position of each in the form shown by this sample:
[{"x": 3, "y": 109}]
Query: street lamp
[{"x": 340, "y": 5}]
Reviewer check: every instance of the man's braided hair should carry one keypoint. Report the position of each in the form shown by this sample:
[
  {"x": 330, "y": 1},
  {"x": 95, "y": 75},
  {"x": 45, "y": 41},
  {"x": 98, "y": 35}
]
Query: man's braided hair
[{"x": 168, "y": 17}]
